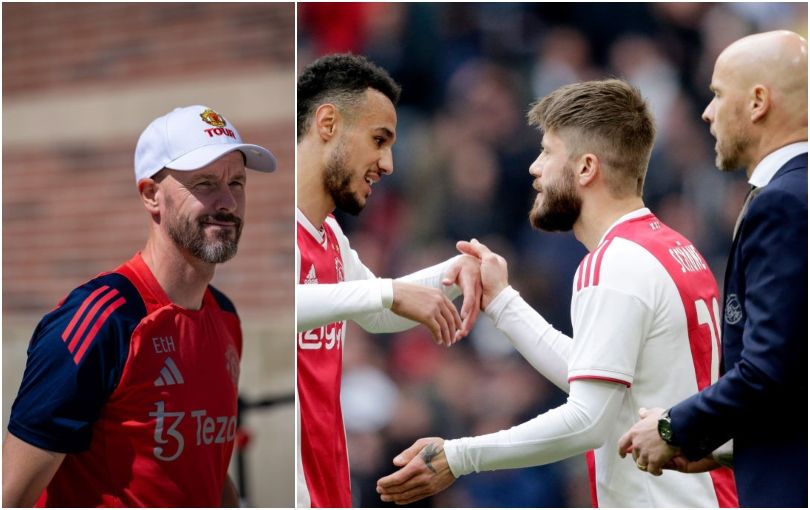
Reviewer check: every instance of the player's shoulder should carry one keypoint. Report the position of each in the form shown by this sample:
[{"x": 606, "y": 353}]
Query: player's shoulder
[
  {"x": 222, "y": 300},
  {"x": 105, "y": 309},
  {"x": 110, "y": 294},
  {"x": 618, "y": 263}
]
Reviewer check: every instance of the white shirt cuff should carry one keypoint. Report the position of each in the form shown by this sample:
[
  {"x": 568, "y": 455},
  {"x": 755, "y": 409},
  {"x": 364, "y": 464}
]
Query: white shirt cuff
[
  {"x": 387, "y": 292},
  {"x": 498, "y": 305}
]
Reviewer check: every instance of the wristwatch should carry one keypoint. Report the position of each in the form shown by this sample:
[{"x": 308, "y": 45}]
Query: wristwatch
[{"x": 665, "y": 427}]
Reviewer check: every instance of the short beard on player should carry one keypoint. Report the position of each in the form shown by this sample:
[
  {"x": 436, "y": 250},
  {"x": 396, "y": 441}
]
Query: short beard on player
[
  {"x": 189, "y": 235},
  {"x": 338, "y": 180},
  {"x": 560, "y": 207}
]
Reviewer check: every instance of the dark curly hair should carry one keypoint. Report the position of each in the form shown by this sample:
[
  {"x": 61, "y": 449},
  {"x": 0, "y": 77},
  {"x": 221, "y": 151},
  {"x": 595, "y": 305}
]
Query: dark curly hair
[{"x": 341, "y": 79}]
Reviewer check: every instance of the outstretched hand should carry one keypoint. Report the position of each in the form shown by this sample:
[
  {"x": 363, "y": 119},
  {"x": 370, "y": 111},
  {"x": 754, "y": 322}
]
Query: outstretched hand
[
  {"x": 466, "y": 273},
  {"x": 423, "y": 472},
  {"x": 428, "y": 306},
  {"x": 494, "y": 270}
]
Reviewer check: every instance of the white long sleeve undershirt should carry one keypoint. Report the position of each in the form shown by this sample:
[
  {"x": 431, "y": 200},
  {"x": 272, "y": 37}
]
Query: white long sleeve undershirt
[
  {"x": 544, "y": 347},
  {"x": 366, "y": 301},
  {"x": 579, "y": 425}
]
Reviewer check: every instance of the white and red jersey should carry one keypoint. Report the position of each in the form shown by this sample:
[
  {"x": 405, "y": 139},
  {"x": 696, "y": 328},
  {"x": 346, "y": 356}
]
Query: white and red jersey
[
  {"x": 646, "y": 320},
  {"x": 645, "y": 312},
  {"x": 322, "y": 441},
  {"x": 333, "y": 286}
]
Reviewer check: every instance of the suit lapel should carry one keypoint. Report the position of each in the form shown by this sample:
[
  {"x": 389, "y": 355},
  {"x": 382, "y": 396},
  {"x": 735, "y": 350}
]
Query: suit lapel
[{"x": 796, "y": 163}]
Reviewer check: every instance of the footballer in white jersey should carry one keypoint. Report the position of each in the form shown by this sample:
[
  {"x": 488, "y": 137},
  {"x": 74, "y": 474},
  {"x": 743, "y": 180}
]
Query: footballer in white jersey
[
  {"x": 346, "y": 128},
  {"x": 644, "y": 312},
  {"x": 645, "y": 317},
  {"x": 648, "y": 286},
  {"x": 324, "y": 259}
]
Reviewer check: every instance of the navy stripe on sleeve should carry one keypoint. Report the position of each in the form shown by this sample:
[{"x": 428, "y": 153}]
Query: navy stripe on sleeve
[{"x": 75, "y": 361}]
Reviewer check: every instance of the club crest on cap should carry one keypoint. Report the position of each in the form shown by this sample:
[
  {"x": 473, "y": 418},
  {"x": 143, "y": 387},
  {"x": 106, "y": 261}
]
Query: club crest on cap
[{"x": 213, "y": 118}]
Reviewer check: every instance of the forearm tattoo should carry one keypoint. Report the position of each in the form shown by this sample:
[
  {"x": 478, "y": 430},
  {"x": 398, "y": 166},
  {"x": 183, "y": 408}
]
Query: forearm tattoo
[{"x": 428, "y": 454}]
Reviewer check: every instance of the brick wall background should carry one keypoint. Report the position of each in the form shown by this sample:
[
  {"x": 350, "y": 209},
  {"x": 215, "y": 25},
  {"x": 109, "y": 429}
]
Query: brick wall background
[
  {"x": 80, "y": 82},
  {"x": 54, "y": 45}
]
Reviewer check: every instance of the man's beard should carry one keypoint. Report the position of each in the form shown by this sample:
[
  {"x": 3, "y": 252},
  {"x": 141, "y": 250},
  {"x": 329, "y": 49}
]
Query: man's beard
[
  {"x": 730, "y": 153},
  {"x": 560, "y": 207},
  {"x": 190, "y": 235},
  {"x": 338, "y": 179}
]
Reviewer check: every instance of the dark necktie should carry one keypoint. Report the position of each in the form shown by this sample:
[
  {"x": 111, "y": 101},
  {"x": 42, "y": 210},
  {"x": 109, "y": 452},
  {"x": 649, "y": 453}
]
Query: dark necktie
[{"x": 754, "y": 191}]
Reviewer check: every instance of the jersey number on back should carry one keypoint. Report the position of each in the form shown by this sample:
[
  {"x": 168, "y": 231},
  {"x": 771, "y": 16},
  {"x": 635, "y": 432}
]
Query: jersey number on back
[{"x": 712, "y": 320}]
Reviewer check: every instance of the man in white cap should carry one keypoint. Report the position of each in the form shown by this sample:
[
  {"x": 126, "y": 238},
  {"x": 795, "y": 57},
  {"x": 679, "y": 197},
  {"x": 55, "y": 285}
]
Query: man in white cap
[{"x": 129, "y": 396}]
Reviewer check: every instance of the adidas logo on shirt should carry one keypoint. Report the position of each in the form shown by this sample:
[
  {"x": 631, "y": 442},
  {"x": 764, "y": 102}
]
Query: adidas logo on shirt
[
  {"x": 311, "y": 276},
  {"x": 169, "y": 374}
]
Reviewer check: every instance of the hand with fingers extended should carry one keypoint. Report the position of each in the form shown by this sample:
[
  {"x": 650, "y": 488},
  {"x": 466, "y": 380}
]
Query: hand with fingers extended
[
  {"x": 494, "y": 270},
  {"x": 466, "y": 273},
  {"x": 650, "y": 452},
  {"x": 429, "y": 307},
  {"x": 423, "y": 472}
]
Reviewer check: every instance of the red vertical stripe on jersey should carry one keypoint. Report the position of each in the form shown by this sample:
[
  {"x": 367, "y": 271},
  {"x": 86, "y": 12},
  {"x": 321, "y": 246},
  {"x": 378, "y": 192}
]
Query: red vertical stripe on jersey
[
  {"x": 725, "y": 487},
  {"x": 94, "y": 330},
  {"x": 92, "y": 313},
  {"x": 590, "y": 460},
  {"x": 579, "y": 272},
  {"x": 598, "y": 264},
  {"x": 717, "y": 327},
  {"x": 78, "y": 315}
]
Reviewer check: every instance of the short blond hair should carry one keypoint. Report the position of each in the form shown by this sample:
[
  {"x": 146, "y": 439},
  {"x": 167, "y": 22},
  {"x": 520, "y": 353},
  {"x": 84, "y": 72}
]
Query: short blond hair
[{"x": 608, "y": 118}]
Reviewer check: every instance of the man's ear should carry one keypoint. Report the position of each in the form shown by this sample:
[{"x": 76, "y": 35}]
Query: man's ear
[
  {"x": 149, "y": 190},
  {"x": 587, "y": 168},
  {"x": 326, "y": 121},
  {"x": 760, "y": 102}
]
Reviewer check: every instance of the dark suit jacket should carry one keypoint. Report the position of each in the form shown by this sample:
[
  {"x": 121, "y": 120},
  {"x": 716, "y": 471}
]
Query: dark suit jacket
[{"x": 761, "y": 398}]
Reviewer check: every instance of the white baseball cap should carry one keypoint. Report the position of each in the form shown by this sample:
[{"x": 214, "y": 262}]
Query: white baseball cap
[{"x": 190, "y": 138}]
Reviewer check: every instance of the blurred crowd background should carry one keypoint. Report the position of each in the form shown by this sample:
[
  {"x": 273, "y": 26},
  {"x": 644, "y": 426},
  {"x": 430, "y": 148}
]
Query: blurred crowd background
[
  {"x": 80, "y": 83},
  {"x": 469, "y": 73}
]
